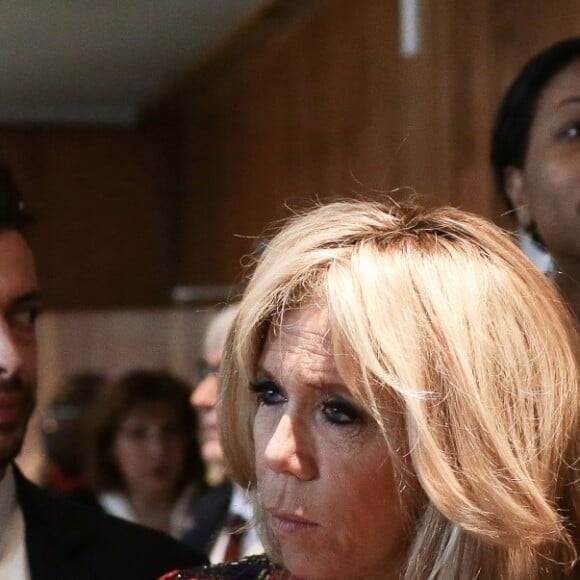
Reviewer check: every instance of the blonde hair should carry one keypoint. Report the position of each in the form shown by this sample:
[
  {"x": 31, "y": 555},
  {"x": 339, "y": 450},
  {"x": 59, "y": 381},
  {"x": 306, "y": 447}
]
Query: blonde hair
[{"x": 466, "y": 357}]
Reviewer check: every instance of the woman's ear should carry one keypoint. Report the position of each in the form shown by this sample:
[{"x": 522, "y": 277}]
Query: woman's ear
[{"x": 515, "y": 188}]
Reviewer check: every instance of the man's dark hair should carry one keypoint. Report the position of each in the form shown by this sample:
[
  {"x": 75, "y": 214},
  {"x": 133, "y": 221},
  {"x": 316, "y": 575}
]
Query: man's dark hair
[
  {"x": 12, "y": 211},
  {"x": 511, "y": 131}
]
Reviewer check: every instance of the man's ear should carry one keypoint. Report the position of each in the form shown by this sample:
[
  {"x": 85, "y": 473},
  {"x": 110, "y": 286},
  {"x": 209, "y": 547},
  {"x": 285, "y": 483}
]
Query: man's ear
[{"x": 515, "y": 188}]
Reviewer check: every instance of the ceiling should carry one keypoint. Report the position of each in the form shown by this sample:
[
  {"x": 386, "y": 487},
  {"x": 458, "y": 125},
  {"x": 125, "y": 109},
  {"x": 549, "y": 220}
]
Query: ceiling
[{"x": 103, "y": 61}]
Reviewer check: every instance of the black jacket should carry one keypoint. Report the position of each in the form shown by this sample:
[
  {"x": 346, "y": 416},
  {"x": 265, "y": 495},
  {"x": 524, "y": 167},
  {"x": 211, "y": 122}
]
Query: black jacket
[
  {"x": 209, "y": 512},
  {"x": 66, "y": 541}
]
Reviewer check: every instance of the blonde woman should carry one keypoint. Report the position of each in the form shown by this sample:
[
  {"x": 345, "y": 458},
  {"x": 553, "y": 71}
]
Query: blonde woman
[{"x": 400, "y": 396}]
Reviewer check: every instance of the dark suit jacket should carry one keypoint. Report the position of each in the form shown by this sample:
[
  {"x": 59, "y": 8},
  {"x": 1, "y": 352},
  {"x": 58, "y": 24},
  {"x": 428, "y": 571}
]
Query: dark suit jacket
[
  {"x": 209, "y": 512},
  {"x": 66, "y": 541}
]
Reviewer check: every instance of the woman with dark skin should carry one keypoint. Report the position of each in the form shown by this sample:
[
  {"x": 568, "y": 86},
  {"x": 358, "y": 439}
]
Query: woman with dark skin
[{"x": 536, "y": 158}]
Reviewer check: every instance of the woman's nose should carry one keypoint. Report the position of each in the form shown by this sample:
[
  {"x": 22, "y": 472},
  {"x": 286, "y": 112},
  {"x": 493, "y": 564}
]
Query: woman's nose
[
  {"x": 289, "y": 452},
  {"x": 158, "y": 442},
  {"x": 154, "y": 445}
]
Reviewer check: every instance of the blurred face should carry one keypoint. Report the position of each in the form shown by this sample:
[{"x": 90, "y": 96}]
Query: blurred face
[
  {"x": 19, "y": 306},
  {"x": 549, "y": 184},
  {"x": 149, "y": 449},
  {"x": 323, "y": 468},
  {"x": 204, "y": 399}
]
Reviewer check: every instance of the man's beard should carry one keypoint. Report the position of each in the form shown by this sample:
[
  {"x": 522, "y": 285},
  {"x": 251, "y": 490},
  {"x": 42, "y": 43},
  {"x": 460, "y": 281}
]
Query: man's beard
[{"x": 12, "y": 432}]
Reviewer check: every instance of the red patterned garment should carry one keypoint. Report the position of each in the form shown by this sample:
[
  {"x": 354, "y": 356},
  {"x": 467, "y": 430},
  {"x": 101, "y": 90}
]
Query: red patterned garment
[{"x": 252, "y": 568}]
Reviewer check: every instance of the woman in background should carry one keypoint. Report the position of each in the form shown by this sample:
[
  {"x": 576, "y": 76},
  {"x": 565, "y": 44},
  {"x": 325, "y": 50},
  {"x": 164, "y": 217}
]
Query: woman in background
[
  {"x": 400, "y": 394},
  {"x": 144, "y": 454},
  {"x": 536, "y": 158}
]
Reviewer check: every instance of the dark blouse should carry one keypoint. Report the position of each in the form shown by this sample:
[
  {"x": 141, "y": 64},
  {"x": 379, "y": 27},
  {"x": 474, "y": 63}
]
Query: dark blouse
[{"x": 251, "y": 568}]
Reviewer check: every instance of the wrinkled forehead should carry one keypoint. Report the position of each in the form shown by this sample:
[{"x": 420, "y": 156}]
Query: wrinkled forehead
[
  {"x": 302, "y": 341},
  {"x": 310, "y": 319},
  {"x": 300, "y": 334}
]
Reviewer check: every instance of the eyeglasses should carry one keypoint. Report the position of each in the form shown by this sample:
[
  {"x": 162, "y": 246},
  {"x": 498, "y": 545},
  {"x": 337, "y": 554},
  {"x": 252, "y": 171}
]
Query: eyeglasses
[{"x": 205, "y": 369}]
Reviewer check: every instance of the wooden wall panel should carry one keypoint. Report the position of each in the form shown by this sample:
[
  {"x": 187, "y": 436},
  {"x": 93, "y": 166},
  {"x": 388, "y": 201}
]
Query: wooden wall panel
[
  {"x": 99, "y": 240},
  {"x": 312, "y": 114},
  {"x": 312, "y": 100},
  {"x": 328, "y": 107},
  {"x": 490, "y": 42}
]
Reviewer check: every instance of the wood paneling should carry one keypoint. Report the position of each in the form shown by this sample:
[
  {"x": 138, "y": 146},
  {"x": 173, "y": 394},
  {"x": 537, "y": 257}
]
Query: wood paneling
[
  {"x": 310, "y": 101},
  {"x": 308, "y": 115},
  {"x": 314, "y": 100},
  {"x": 98, "y": 195}
]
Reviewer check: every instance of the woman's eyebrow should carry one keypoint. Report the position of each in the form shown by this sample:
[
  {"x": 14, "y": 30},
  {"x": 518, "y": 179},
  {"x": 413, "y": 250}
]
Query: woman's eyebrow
[
  {"x": 569, "y": 101},
  {"x": 262, "y": 373}
]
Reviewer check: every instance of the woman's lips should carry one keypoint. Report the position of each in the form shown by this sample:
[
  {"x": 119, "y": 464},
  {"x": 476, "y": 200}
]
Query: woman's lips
[{"x": 284, "y": 522}]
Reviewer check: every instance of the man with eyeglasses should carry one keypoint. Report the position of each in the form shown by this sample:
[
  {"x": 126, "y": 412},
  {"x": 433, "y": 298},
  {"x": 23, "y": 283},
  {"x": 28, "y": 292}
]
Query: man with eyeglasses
[{"x": 222, "y": 512}]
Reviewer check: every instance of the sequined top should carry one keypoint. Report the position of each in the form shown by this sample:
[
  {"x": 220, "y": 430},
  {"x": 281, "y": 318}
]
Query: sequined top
[{"x": 251, "y": 568}]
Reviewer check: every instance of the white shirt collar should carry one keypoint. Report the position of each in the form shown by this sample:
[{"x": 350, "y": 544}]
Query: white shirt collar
[
  {"x": 118, "y": 504},
  {"x": 13, "y": 556}
]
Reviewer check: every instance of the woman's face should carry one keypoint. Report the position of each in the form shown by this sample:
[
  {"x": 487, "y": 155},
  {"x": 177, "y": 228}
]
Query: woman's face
[
  {"x": 549, "y": 184},
  {"x": 204, "y": 398},
  {"x": 323, "y": 468},
  {"x": 149, "y": 449}
]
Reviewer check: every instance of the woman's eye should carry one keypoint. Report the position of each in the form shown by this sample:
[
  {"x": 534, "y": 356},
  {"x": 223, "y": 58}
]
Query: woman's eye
[
  {"x": 267, "y": 393},
  {"x": 339, "y": 411},
  {"x": 569, "y": 131},
  {"x": 135, "y": 433}
]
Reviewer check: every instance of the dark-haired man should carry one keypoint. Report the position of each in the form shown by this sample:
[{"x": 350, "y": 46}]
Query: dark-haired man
[{"x": 41, "y": 537}]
